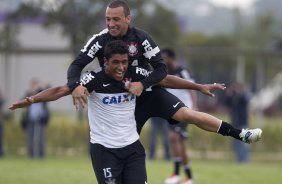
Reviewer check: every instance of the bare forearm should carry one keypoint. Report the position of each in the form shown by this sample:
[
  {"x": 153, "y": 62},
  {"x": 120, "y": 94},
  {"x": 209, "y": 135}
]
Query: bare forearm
[
  {"x": 51, "y": 94},
  {"x": 178, "y": 83},
  {"x": 175, "y": 82}
]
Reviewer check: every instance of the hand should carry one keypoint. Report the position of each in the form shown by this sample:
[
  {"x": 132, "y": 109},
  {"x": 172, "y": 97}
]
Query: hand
[
  {"x": 79, "y": 96},
  {"x": 135, "y": 88},
  {"x": 206, "y": 89},
  {"x": 23, "y": 103}
]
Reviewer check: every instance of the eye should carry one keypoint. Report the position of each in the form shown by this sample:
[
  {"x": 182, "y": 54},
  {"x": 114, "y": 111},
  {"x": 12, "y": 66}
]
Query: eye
[
  {"x": 124, "y": 62},
  {"x": 116, "y": 19}
]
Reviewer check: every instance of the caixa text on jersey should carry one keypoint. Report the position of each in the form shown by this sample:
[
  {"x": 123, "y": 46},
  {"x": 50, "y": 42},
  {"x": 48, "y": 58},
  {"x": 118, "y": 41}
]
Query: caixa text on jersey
[{"x": 118, "y": 99}]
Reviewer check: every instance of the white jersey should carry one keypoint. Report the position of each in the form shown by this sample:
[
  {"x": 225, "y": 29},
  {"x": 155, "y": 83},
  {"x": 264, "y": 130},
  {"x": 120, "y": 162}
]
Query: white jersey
[
  {"x": 183, "y": 94},
  {"x": 111, "y": 119},
  {"x": 111, "y": 109}
]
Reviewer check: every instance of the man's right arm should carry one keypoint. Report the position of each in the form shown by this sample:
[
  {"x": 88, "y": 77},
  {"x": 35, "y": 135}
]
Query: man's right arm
[
  {"x": 86, "y": 55},
  {"x": 49, "y": 94},
  {"x": 75, "y": 68},
  {"x": 52, "y": 94}
]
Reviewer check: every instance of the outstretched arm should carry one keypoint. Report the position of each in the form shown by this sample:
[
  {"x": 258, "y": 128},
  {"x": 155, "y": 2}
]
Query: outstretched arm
[
  {"x": 175, "y": 82},
  {"x": 50, "y": 94}
]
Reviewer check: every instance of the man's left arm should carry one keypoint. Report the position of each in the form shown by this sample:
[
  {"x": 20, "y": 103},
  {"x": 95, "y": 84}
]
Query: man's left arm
[
  {"x": 151, "y": 53},
  {"x": 175, "y": 82},
  {"x": 172, "y": 81}
]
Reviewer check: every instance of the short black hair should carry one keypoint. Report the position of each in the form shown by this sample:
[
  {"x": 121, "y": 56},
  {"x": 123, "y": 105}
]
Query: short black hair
[
  {"x": 115, "y": 47},
  {"x": 119, "y": 3},
  {"x": 168, "y": 52}
]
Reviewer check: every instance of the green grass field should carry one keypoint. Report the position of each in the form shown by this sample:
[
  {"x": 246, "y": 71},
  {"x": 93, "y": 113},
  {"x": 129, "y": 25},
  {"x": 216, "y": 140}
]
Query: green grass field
[{"x": 73, "y": 170}]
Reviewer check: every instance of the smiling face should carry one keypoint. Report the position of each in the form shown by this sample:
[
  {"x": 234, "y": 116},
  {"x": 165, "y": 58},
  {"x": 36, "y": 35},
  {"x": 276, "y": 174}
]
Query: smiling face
[
  {"x": 117, "y": 22},
  {"x": 116, "y": 66}
]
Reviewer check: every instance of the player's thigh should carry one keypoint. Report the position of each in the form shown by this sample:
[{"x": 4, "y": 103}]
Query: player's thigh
[
  {"x": 106, "y": 166},
  {"x": 157, "y": 103},
  {"x": 186, "y": 115},
  {"x": 135, "y": 167}
]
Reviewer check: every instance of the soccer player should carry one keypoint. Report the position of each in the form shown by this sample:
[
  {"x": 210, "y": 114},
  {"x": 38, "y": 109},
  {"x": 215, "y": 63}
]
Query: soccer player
[
  {"x": 143, "y": 52},
  {"x": 178, "y": 132},
  {"x": 116, "y": 152}
]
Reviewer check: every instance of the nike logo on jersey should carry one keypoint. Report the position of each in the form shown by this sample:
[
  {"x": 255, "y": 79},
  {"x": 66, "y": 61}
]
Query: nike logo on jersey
[
  {"x": 174, "y": 106},
  {"x": 105, "y": 85}
]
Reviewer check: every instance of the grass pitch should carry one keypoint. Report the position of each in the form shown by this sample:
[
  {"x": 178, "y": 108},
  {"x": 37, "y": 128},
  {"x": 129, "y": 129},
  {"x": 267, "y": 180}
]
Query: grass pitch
[{"x": 73, "y": 170}]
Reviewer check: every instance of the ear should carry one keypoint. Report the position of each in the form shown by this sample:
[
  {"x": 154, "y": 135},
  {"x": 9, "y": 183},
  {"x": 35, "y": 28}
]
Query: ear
[
  {"x": 128, "y": 19},
  {"x": 105, "y": 61}
]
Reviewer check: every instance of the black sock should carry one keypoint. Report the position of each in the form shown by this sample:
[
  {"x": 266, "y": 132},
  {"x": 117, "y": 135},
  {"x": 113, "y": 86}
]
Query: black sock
[
  {"x": 177, "y": 162},
  {"x": 226, "y": 129},
  {"x": 188, "y": 171}
]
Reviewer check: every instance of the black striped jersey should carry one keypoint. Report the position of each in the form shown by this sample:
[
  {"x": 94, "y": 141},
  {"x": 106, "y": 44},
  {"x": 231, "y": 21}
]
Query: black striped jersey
[
  {"x": 111, "y": 108},
  {"x": 142, "y": 50}
]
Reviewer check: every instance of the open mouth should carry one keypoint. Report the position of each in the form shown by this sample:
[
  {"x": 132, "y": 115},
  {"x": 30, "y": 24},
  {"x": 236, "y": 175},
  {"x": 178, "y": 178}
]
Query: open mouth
[
  {"x": 113, "y": 31},
  {"x": 119, "y": 75}
]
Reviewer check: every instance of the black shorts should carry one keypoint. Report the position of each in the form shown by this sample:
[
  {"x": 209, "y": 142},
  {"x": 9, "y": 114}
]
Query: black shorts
[
  {"x": 180, "y": 128},
  {"x": 119, "y": 165},
  {"x": 156, "y": 103}
]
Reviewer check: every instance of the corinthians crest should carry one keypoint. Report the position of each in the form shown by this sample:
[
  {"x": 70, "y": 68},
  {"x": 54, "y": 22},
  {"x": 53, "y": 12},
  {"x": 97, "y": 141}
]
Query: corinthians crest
[{"x": 132, "y": 49}]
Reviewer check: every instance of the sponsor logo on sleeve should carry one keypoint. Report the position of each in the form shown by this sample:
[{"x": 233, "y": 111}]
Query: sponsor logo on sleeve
[
  {"x": 149, "y": 51},
  {"x": 86, "y": 78},
  {"x": 143, "y": 71},
  {"x": 94, "y": 49},
  {"x": 85, "y": 48}
]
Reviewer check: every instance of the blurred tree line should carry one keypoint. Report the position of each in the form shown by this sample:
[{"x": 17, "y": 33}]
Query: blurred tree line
[{"x": 211, "y": 58}]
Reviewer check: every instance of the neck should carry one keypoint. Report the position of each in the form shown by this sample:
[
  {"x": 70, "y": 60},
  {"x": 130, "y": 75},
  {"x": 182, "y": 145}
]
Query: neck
[
  {"x": 108, "y": 75},
  {"x": 173, "y": 66},
  {"x": 123, "y": 34}
]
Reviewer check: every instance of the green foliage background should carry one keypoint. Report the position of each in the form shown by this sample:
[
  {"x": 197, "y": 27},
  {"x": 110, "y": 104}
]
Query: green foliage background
[{"x": 67, "y": 137}]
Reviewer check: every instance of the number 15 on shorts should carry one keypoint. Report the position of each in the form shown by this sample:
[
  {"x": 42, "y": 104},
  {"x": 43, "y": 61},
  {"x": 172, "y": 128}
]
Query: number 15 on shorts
[{"x": 107, "y": 172}]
